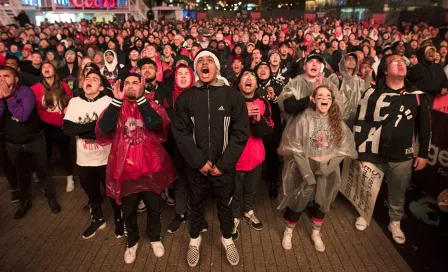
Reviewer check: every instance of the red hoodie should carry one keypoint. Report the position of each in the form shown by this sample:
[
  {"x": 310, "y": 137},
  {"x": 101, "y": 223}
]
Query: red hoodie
[{"x": 53, "y": 116}]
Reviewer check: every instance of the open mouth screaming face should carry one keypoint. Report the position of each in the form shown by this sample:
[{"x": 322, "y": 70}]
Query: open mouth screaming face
[{"x": 323, "y": 100}]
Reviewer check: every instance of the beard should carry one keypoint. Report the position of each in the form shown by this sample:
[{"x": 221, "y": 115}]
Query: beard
[
  {"x": 131, "y": 94},
  {"x": 149, "y": 80}
]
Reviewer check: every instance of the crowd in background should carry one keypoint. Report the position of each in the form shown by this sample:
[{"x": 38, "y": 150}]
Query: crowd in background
[{"x": 220, "y": 103}]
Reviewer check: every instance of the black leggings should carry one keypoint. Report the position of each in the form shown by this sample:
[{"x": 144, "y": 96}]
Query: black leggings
[
  {"x": 313, "y": 208},
  {"x": 56, "y": 136}
]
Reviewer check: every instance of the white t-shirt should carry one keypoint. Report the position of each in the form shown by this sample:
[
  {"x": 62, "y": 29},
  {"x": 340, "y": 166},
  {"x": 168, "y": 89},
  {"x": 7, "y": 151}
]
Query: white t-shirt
[{"x": 80, "y": 111}]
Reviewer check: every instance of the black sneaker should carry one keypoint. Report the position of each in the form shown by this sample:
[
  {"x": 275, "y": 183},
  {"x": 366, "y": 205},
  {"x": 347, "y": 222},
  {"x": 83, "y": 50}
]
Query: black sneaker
[
  {"x": 24, "y": 207},
  {"x": 175, "y": 224},
  {"x": 119, "y": 228},
  {"x": 141, "y": 207},
  {"x": 204, "y": 226},
  {"x": 54, "y": 205},
  {"x": 15, "y": 196},
  {"x": 94, "y": 226},
  {"x": 253, "y": 221}
]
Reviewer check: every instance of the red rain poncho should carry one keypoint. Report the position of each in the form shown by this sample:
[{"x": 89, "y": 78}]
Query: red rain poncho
[{"x": 137, "y": 162}]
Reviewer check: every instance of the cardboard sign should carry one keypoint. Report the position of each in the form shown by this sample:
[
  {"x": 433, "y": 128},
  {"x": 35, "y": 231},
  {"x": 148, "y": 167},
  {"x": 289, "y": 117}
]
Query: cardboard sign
[{"x": 361, "y": 182}]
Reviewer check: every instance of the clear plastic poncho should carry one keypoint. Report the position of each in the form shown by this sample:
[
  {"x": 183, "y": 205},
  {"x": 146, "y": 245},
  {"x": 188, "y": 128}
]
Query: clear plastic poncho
[
  {"x": 301, "y": 88},
  {"x": 352, "y": 88},
  {"x": 311, "y": 161}
]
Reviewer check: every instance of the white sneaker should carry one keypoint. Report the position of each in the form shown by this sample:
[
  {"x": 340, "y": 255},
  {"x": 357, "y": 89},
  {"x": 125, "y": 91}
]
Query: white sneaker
[
  {"x": 141, "y": 206},
  {"x": 70, "y": 184},
  {"x": 235, "y": 233},
  {"x": 397, "y": 233},
  {"x": 193, "y": 253},
  {"x": 130, "y": 254},
  {"x": 360, "y": 224},
  {"x": 287, "y": 238},
  {"x": 316, "y": 236},
  {"x": 231, "y": 252},
  {"x": 35, "y": 178},
  {"x": 158, "y": 249}
]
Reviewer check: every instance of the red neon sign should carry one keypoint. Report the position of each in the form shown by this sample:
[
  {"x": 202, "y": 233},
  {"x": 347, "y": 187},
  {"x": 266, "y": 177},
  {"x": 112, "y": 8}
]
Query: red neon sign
[{"x": 94, "y": 3}]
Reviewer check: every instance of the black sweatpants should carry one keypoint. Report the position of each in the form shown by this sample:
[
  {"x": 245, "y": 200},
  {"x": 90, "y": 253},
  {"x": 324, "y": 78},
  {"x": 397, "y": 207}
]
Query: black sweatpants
[
  {"x": 129, "y": 207},
  {"x": 272, "y": 161},
  {"x": 9, "y": 169},
  {"x": 26, "y": 158},
  {"x": 92, "y": 178},
  {"x": 246, "y": 186},
  {"x": 223, "y": 188},
  {"x": 55, "y": 136}
]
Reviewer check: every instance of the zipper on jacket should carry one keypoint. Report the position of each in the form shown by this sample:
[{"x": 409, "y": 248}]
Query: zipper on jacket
[{"x": 209, "y": 144}]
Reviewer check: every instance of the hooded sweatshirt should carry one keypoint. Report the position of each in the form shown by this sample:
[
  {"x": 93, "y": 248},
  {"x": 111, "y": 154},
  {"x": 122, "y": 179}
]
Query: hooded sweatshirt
[
  {"x": 110, "y": 70},
  {"x": 351, "y": 88},
  {"x": 427, "y": 77}
]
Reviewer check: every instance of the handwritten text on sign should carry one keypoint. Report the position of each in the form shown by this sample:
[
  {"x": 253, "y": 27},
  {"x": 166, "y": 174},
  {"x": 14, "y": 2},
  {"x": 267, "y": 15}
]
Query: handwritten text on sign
[{"x": 361, "y": 182}]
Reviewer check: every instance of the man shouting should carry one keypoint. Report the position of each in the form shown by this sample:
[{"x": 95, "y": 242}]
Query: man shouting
[{"x": 211, "y": 128}]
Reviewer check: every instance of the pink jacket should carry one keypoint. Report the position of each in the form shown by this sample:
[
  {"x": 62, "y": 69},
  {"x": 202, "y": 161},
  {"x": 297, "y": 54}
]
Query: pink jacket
[{"x": 253, "y": 154}]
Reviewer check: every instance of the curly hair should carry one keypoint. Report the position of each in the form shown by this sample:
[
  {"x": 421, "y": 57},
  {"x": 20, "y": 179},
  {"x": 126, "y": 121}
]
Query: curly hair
[
  {"x": 334, "y": 114},
  {"x": 55, "y": 91}
]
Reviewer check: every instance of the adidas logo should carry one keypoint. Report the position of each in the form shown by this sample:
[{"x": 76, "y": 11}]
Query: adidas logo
[{"x": 221, "y": 108}]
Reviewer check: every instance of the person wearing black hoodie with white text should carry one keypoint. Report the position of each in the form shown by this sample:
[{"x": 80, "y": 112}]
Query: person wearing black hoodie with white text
[{"x": 387, "y": 122}]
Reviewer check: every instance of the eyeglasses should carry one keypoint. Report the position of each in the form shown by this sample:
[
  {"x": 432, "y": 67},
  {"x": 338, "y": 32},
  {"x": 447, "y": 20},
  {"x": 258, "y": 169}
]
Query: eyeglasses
[
  {"x": 248, "y": 75},
  {"x": 397, "y": 62}
]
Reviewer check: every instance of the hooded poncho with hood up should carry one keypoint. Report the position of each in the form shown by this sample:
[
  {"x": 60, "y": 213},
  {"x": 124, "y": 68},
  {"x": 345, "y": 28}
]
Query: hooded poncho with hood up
[
  {"x": 311, "y": 161},
  {"x": 110, "y": 70},
  {"x": 351, "y": 88},
  {"x": 427, "y": 77}
]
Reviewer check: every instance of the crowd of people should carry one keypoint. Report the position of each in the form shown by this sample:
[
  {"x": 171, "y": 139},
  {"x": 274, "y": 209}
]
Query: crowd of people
[{"x": 215, "y": 105}]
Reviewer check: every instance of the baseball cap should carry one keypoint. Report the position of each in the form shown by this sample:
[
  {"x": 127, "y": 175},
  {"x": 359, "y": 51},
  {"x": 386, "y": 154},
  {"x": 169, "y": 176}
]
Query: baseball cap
[{"x": 314, "y": 56}]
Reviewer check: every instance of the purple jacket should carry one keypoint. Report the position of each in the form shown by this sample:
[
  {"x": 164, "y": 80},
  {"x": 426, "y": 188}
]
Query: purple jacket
[{"x": 19, "y": 120}]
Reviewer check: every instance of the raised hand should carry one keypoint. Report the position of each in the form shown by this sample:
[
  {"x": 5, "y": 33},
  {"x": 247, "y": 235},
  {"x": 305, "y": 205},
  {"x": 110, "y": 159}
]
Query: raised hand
[
  {"x": 118, "y": 93},
  {"x": 141, "y": 89},
  {"x": 271, "y": 93}
]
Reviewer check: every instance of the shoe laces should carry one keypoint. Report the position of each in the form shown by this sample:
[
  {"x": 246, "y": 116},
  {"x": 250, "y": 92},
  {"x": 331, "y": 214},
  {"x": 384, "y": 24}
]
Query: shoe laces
[
  {"x": 252, "y": 217},
  {"x": 395, "y": 228},
  {"x": 157, "y": 245},
  {"x": 316, "y": 235}
]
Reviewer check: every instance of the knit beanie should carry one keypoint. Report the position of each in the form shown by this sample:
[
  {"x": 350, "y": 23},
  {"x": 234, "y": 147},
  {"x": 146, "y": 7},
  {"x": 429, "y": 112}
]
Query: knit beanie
[{"x": 207, "y": 53}]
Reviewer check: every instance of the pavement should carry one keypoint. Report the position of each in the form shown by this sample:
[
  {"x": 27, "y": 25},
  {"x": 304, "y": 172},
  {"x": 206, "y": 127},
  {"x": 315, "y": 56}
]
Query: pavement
[{"x": 43, "y": 241}]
